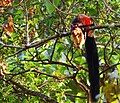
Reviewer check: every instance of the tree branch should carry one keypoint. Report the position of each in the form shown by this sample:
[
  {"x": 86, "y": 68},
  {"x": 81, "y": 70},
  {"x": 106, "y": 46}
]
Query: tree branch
[
  {"x": 110, "y": 67},
  {"x": 24, "y": 90},
  {"x": 64, "y": 34},
  {"x": 11, "y": 46},
  {"x": 47, "y": 62}
]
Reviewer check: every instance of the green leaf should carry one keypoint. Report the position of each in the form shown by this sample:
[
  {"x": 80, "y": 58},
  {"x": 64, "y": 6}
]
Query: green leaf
[
  {"x": 25, "y": 101},
  {"x": 1, "y": 95},
  {"x": 92, "y": 11},
  {"x": 49, "y": 6},
  {"x": 73, "y": 86},
  {"x": 57, "y": 2}
]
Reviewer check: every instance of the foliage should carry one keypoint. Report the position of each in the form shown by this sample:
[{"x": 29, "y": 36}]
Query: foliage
[{"x": 38, "y": 62}]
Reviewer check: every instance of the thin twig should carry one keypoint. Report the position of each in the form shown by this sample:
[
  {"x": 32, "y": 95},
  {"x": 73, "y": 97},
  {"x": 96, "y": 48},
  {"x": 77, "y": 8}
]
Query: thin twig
[
  {"x": 27, "y": 26},
  {"x": 47, "y": 62},
  {"x": 11, "y": 46},
  {"x": 110, "y": 67},
  {"x": 105, "y": 48},
  {"x": 53, "y": 50},
  {"x": 107, "y": 6}
]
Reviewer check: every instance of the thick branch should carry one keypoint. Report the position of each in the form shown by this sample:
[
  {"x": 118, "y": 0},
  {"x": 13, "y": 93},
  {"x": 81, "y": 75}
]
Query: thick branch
[
  {"x": 40, "y": 43},
  {"x": 32, "y": 93},
  {"x": 58, "y": 35},
  {"x": 68, "y": 33}
]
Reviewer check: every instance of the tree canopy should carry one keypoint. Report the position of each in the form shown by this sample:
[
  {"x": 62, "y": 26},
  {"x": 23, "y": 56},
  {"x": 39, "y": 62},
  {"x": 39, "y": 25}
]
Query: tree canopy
[{"x": 38, "y": 61}]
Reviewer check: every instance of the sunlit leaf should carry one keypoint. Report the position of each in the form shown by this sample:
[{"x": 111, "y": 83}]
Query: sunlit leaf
[
  {"x": 57, "y": 2},
  {"x": 49, "y": 6}
]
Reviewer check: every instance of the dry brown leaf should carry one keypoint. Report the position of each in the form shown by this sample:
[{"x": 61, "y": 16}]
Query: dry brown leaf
[
  {"x": 4, "y": 3},
  {"x": 31, "y": 11},
  {"x": 8, "y": 27}
]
